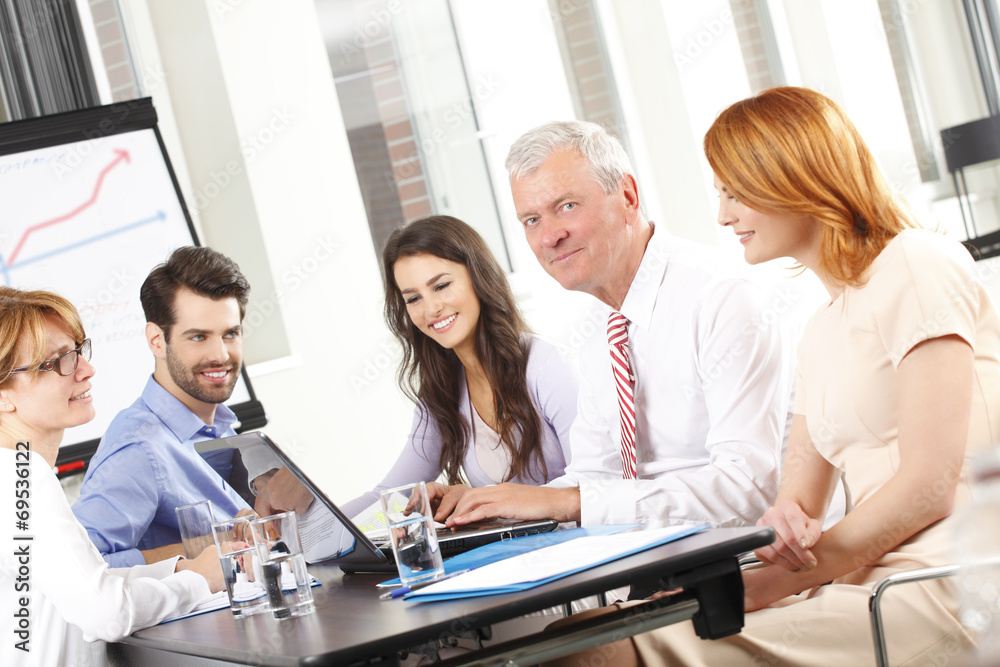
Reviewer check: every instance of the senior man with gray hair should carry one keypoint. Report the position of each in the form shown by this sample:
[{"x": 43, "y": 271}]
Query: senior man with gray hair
[{"x": 685, "y": 404}]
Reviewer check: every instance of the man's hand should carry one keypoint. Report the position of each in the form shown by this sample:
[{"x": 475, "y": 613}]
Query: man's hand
[
  {"x": 207, "y": 565},
  {"x": 280, "y": 492},
  {"x": 444, "y": 499},
  {"x": 796, "y": 534},
  {"x": 516, "y": 501},
  {"x": 163, "y": 553}
]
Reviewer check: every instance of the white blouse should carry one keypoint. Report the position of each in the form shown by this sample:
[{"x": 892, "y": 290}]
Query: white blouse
[{"x": 50, "y": 567}]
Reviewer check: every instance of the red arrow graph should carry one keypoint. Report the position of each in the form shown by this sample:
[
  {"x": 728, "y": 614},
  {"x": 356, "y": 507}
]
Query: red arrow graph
[{"x": 121, "y": 156}]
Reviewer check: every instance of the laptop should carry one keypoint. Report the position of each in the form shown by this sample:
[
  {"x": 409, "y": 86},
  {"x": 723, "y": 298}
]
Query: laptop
[{"x": 328, "y": 536}]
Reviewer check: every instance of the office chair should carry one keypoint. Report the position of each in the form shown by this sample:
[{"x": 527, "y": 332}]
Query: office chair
[{"x": 875, "y": 601}]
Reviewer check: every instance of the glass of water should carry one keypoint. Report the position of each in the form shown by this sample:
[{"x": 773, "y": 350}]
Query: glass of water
[
  {"x": 410, "y": 520},
  {"x": 240, "y": 566},
  {"x": 283, "y": 565},
  {"x": 194, "y": 522}
]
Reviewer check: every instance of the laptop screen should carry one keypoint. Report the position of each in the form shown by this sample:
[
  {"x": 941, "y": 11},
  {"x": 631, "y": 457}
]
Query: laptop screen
[{"x": 327, "y": 535}]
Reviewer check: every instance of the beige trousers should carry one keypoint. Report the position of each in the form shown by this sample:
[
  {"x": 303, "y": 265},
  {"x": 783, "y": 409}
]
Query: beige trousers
[{"x": 826, "y": 627}]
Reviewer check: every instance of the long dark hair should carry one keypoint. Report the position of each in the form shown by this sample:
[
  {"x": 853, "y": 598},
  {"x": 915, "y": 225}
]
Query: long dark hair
[{"x": 429, "y": 373}]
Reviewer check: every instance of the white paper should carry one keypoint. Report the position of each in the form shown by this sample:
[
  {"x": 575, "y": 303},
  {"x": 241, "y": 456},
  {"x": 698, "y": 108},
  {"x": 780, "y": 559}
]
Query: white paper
[
  {"x": 321, "y": 534},
  {"x": 581, "y": 553}
]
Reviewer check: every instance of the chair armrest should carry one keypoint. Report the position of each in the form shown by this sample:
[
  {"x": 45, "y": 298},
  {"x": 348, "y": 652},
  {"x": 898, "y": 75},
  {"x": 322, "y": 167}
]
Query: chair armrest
[{"x": 884, "y": 584}]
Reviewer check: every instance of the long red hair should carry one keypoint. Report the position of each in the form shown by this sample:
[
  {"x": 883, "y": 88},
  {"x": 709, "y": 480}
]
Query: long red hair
[{"x": 794, "y": 150}]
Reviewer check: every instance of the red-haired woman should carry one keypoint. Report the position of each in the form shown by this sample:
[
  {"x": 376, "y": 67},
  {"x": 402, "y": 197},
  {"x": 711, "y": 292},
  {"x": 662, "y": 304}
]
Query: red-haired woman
[{"x": 899, "y": 385}]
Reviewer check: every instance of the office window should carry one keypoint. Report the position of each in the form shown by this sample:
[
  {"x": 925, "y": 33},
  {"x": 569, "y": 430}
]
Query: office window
[
  {"x": 434, "y": 91},
  {"x": 588, "y": 72},
  {"x": 114, "y": 48},
  {"x": 911, "y": 89},
  {"x": 758, "y": 44}
]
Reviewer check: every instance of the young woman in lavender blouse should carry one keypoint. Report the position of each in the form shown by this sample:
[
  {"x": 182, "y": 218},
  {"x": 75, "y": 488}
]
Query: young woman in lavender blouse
[{"x": 494, "y": 402}]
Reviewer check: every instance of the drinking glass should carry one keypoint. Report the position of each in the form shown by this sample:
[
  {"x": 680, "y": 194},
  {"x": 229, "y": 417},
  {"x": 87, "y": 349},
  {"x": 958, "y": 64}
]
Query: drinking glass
[
  {"x": 240, "y": 566},
  {"x": 410, "y": 520},
  {"x": 194, "y": 521},
  {"x": 283, "y": 565}
]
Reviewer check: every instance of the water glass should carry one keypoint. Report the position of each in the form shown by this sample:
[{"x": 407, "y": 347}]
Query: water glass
[
  {"x": 240, "y": 566},
  {"x": 410, "y": 520},
  {"x": 283, "y": 565},
  {"x": 194, "y": 521}
]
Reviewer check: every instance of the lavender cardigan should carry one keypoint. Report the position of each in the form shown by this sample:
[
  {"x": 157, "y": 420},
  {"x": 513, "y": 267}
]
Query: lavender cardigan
[{"x": 552, "y": 386}]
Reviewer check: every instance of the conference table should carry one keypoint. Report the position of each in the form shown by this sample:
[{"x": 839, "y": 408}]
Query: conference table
[{"x": 352, "y": 626}]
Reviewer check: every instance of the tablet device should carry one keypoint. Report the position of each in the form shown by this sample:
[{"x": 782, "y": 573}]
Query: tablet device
[{"x": 329, "y": 536}]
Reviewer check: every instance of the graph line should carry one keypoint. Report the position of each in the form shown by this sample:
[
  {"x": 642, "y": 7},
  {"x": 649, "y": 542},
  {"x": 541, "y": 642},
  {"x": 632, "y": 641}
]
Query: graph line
[
  {"x": 121, "y": 155},
  {"x": 5, "y": 268}
]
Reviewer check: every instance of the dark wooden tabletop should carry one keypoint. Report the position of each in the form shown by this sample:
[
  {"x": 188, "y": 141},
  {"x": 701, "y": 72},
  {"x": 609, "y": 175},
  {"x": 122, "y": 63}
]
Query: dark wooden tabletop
[{"x": 351, "y": 623}]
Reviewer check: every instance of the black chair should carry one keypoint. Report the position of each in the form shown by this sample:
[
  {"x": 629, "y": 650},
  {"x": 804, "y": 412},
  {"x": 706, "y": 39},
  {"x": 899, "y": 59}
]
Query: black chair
[{"x": 965, "y": 146}]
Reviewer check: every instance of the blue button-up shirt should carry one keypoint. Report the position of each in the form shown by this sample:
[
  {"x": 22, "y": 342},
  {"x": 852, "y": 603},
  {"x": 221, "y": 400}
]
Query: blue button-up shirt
[{"x": 145, "y": 466}]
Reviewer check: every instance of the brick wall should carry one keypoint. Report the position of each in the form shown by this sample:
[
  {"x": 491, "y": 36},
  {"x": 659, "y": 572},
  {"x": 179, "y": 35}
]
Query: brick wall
[
  {"x": 762, "y": 71},
  {"x": 114, "y": 49},
  {"x": 380, "y": 130},
  {"x": 590, "y": 79}
]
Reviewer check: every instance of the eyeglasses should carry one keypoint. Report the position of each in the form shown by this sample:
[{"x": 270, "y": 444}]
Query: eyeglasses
[{"x": 65, "y": 363}]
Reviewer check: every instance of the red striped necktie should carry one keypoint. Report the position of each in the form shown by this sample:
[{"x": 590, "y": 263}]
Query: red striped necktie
[{"x": 624, "y": 382}]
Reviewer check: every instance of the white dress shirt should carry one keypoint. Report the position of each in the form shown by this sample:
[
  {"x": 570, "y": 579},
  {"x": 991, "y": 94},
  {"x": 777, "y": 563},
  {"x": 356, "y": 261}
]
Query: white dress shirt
[
  {"x": 75, "y": 602},
  {"x": 713, "y": 397}
]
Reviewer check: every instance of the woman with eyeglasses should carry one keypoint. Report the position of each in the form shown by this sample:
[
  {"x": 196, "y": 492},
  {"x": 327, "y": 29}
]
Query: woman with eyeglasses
[
  {"x": 60, "y": 603},
  {"x": 494, "y": 402}
]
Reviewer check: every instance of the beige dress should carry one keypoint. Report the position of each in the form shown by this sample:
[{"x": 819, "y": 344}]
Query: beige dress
[{"x": 921, "y": 286}]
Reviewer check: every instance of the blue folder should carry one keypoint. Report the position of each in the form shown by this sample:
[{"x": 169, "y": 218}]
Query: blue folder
[{"x": 501, "y": 550}]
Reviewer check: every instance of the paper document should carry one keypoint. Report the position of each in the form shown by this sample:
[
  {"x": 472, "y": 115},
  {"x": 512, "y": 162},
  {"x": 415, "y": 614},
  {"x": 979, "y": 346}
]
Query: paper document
[
  {"x": 211, "y": 603},
  {"x": 548, "y": 564},
  {"x": 216, "y": 601},
  {"x": 322, "y": 535},
  {"x": 496, "y": 551}
]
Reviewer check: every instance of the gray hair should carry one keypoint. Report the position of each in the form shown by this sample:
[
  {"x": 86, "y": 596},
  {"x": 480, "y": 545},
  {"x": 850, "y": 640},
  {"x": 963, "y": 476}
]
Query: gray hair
[{"x": 608, "y": 161}]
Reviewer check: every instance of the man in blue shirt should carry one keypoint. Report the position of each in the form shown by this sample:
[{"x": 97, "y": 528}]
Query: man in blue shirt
[{"x": 146, "y": 464}]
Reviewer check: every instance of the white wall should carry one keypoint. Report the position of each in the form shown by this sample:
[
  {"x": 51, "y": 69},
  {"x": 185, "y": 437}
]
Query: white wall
[
  {"x": 268, "y": 162},
  {"x": 245, "y": 97},
  {"x": 663, "y": 135}
]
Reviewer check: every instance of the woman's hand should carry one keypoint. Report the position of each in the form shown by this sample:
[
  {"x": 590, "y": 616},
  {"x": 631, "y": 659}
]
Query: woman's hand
[
  {"x": 207, "y": 565},
  {"x": 766, "y": 585},
  {"x": 444, "y": 498},
  {"x": 796, "y": 533}
]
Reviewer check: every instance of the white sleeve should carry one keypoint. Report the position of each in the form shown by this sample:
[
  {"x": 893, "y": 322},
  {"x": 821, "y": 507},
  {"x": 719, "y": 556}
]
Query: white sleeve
[
  {"x": 68, "y": 570},
  {"x": 258, "y": 459}
]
